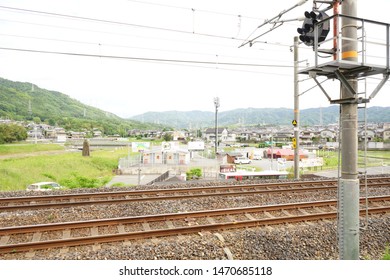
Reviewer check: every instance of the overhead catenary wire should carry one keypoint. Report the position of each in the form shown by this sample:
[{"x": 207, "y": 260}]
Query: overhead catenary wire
[
  {"x": 192, "y": 8},
  {"x": 144, "y": 58},
  {"x": 105, "y": 21},
  {"x": 276, "y": 24},
  {"x": 100, "y": 44}
]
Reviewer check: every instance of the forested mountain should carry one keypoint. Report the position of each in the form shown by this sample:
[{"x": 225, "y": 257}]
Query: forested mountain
[
  {"x": 24, "y": 101},
  {"x": 256, "y": 116}
]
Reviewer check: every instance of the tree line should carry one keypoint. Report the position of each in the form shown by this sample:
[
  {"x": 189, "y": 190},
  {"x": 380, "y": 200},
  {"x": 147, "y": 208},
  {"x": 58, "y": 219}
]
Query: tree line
[{"x": 12, "y": 133}]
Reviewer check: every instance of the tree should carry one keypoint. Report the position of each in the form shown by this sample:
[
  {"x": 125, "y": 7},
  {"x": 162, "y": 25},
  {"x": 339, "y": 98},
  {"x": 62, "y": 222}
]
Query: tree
[
  {"x": 11, "y": 133},
  {"x": 168, "y": 137}
]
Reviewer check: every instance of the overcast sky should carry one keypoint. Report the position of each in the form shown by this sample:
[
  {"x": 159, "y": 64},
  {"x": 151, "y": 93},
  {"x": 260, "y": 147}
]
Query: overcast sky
[{"x": 129, "y": 57}]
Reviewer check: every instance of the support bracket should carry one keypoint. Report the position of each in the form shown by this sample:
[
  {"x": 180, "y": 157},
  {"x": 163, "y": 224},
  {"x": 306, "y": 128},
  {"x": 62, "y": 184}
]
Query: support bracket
[
  {"x": 323, "y": 90},
  {"x": 379, "y": 86},
  {"x": 345, "y": 83}
]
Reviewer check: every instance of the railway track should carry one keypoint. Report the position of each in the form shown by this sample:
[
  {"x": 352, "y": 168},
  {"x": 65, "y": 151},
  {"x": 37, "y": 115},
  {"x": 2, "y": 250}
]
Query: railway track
[
  {"x": 55, "y": 235},
  {"x": 72, "y": 200}
]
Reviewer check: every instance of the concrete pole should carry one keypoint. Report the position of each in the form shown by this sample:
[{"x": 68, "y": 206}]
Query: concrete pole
[
  {"x": 216, "y": 103},
  {"x": 296, "y": 109},
  {"x": 349, "y": 182}
]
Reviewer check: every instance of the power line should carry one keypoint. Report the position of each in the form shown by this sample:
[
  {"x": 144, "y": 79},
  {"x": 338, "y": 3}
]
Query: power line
[
  {"x": 118, "y": 23},
  {"x": 135, "y": 25},
  {"x": 193, "y": 9},
  {"x": 131, "y": 47},
  {"x": 146, "y": 58}
]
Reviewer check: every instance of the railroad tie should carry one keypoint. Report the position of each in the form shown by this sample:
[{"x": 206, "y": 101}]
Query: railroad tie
[
  {"x": 126, "y": 243},
  {"x": 227, "y": 251},
  {"x": 4, "y": 239},
  {"x": 64, "y": 250},
  {"x": 268, "y": 215},
  {"x": 66, "y": 234},
  {"x": 30, "y": 254},
  {"x": 305, "y": 213},
  {"x": 286, "y": 213},
  {"x": 146, "y": 226},
  {"x": 230, "y": 218},
  {"x": 210, "y": 220},
  {"x": 94, "y": 231},
  {"x": 169, "y": 224},
  {"x": 121, "y": 228},
  {"x": 302, "y": 211},
  {"x": 37, "y": 236},
  {"x": 249, "y": 216},
  {"x": 96, "y": 247}
]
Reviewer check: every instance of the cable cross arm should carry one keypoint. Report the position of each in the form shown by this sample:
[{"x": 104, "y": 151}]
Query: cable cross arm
[{"x": 275, "y": 20}]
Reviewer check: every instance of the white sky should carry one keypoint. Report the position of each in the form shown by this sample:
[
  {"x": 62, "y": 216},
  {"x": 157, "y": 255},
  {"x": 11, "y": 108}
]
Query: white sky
[{"x": 165, "y": 29}]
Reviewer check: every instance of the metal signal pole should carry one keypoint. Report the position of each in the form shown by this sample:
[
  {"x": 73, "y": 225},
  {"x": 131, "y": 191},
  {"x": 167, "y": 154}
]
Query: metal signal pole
[
  {"x": 296, "y": 111},
  {"x": 349, "y": 183},
  {"x": 216, "y": 103}
]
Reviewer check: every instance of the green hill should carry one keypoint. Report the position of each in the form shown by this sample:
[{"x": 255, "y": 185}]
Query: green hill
[
  {"x": 24, "y": 101},
  {"x": 255, "y": 116}
]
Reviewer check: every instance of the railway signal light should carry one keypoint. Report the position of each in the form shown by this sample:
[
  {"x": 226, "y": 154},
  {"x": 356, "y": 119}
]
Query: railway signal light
[{"x": 307, "y": 30}]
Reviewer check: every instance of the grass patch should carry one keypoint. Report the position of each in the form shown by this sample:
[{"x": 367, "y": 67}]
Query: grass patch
[
  {"x": 10, "y": 149},
  {"x": 69, "y": 169},
  {"x": 374, "y": 158},
  {"x": 386, "y": 256}
]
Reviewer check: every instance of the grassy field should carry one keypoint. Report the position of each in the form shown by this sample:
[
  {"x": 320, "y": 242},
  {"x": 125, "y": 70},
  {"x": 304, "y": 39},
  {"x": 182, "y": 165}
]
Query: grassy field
[
  {"x": 12, "y": 149},
  {"x": 70, "y": 169},
  {"x": 374, "y": 158}
]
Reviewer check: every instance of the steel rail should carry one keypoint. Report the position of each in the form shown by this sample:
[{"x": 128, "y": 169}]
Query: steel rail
[
  {"x": 173, "y": 216},
  {"x": 174, "y": 190},
  {"x": 20, "y": 247},
  {"x": 158, "y": 191},
  {"x": 197, "y": 193}
]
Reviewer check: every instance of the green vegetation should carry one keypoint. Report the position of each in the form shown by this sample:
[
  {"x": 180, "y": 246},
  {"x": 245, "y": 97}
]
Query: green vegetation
[
  {"x": 194, "y": 173},
  {"x": 374, "y": 158},
  {"x": 28, "y": 148},
  {"x": 386, "y": 256},
  {"x": 12, "y": 133},
  {"x": 258, "y": 116},
  {"x": 69, "y": 169},
  {"x": 55, "y": 108}
]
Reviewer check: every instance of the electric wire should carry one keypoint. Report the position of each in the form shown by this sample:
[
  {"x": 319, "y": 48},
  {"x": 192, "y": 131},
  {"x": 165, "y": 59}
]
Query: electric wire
[
  {"x": 194, "y": 9},
  {"x": 82, "y": 18},
  {"x": 144, "y": 58},
  {"x": 125, "y": 24},
  {"x": 132, "y": 47}
]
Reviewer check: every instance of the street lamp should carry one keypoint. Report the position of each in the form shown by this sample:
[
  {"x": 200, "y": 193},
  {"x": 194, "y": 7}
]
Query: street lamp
[{"x": 216, "y": 104}]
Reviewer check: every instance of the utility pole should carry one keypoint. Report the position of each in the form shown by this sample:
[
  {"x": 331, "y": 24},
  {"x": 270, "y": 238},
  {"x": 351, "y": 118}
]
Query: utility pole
[
  {"x": 296, "y": 111},
  {"x": 216, "y": 103},
  {"x": 348, "y": 224}
]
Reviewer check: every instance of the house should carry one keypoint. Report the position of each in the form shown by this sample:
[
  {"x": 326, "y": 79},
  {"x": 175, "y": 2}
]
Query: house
[
  {"x": 166, "y": 154},
  {"x": 307, "y": 137},
  {"x": 386, "y": 135},
  {"x": 209, "y": 134},
  {"x": 328, "y": 135},
  {"x": 283, "y": 136},
  {"x": 366, "y": 134}
]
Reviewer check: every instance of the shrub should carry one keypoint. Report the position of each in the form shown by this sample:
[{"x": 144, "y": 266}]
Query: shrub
[
  {"x": 79, "y": 181},
  {"x": 194, "y": 173}
]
